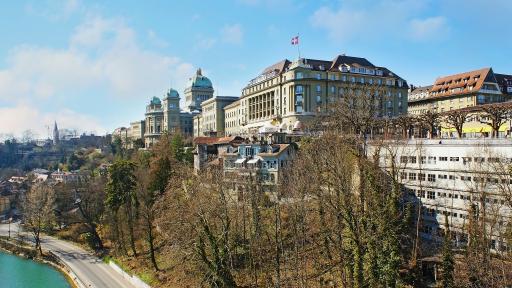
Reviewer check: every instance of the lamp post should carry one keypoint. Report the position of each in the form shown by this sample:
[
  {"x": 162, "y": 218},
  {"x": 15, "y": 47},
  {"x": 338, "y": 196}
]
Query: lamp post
[{"x": 10, "y": 219}]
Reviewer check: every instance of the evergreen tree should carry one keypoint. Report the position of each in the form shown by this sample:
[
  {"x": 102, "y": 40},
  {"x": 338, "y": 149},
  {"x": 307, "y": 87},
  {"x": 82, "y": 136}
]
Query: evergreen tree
[
  {"x": 120, "y": 193},
  {"x": 448, "y": 262}
]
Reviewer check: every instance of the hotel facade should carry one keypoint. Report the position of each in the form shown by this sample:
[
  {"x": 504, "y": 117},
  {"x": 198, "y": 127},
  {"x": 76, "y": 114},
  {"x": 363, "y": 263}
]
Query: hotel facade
[{"x": 286, "y": 95}]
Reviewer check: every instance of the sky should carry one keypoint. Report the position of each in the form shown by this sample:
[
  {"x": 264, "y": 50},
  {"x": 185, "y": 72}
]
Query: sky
[{"x": 93, "y": 65}]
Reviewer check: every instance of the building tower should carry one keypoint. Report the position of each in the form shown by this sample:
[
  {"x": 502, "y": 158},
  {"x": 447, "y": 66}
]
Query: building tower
[
  {"x": 171, "y": 109},
  {"x": 199, "y": 89},
  {"x": 154, "y": 118},
  {"x": 55, "y": 134}
]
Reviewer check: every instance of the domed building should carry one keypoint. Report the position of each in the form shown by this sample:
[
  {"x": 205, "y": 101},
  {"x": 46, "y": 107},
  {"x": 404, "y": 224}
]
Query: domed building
[
  {"x": 153, "y": 122},
  {"x": 199, "y": 89}
]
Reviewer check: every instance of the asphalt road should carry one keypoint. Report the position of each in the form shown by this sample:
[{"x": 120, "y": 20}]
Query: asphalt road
[{"x": 90, "y": 270}]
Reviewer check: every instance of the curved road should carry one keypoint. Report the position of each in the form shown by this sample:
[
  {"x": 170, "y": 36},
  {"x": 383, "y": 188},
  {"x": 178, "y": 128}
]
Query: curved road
[{"x": 88, "y": 268}]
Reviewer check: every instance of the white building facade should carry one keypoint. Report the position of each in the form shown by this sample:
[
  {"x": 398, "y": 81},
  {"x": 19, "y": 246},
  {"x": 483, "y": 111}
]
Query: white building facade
[{"x": 450, "y": 178}]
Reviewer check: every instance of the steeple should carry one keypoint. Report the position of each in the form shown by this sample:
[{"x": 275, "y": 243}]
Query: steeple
[{"x": 55, "y": 134}]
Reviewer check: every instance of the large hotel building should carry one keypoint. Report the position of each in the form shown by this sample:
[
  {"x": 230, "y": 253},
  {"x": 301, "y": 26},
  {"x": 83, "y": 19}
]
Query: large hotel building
[{"x": 288, "y": 94}]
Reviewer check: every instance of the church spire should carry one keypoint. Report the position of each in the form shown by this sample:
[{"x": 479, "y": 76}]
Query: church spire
[{"x": 55, "y": 134}]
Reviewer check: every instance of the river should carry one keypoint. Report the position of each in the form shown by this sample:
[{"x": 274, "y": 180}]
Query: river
[{"x": 16, "y": 272}]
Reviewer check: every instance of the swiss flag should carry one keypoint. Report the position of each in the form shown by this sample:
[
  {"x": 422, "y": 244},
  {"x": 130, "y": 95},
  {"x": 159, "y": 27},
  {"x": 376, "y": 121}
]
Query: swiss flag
[{"x": 295, "y": 40}]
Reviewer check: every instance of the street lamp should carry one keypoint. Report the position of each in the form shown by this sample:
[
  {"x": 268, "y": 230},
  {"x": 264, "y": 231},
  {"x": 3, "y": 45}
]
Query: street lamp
[{"x": 10, "y": 219}]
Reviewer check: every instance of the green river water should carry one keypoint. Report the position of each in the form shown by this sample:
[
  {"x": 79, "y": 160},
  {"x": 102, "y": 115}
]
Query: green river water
[{"x": 16, "y": 272}]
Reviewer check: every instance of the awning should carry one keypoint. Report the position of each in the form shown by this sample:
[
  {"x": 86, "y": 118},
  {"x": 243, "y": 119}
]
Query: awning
[
  {"x": 240, "y": 161},
  {"x": 253, "y": 161}
]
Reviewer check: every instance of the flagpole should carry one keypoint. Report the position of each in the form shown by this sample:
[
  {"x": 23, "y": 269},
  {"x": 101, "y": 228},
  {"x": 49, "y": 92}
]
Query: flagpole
[{"x": 298, "y": 44}]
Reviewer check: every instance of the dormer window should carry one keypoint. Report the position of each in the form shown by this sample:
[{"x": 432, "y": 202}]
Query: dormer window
[{"x": 343, "y": 68}]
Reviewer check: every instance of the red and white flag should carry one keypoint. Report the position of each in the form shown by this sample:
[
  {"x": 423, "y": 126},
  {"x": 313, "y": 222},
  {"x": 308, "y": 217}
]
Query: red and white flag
[{"x": 295, "y": 40}]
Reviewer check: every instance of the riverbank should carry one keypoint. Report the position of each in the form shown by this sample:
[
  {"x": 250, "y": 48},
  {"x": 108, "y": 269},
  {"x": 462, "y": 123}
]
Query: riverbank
[{"x": 17, "y": 248}]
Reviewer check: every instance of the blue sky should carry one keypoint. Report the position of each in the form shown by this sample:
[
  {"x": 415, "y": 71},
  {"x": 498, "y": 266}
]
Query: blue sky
[{"x": 92, "y": 66}]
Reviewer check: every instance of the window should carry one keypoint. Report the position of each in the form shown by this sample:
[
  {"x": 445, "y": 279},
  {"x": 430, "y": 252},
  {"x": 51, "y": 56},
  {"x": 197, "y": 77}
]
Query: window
[
  {"x": 362, "y": 80},
  {"x": 431, "y": 177},
  {"x": 423, "y": 159},
  {"x": 454, "y": 159},
  {"x": 333, "y": 89},
  {"x": 403, "y": 159},
  {"x": 343, "y": 78},
  {"x": 443, "y": 158},
  {"x": 403, "y": 175},
  {"x": 298, "y": 75},
  {"x": 431, "y": 160},
  {"x": 412, "y": 176},
  {"x": 465, "y": 178},
  {"x": 318, "y": 99},
  {"x": 318, "y": 88},
  {"x": 412, "y": 159},
  {"x": 479, "y": 159},
  {"x": 442, "y": 176},
  {"x": 431, "y": 195},
  {"x": 420, "y": 194},
  {"x": 299, "y": 89},
  {"x": 421, "y": 176},
  {"x": 451, "y": 177},
  {"x": 318, "y": 76}
]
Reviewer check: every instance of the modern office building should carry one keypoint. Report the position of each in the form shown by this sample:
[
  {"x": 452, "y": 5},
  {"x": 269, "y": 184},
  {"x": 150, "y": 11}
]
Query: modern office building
[
  {"x": 288, "y": 94},
  {"x": 452, "y": 177}
]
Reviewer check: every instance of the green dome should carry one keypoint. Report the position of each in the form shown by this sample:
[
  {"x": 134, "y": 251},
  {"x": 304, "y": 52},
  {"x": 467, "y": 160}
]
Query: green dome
[
  {"x": 155, "y": 101},
  {"x": 172, "y": 93},
  {"x": 200, "y": 81}
]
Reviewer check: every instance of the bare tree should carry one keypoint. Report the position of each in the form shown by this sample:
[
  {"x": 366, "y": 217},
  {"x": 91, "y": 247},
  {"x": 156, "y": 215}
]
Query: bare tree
[
  {"x": 456, "y": 119},
  {"x": 431, "y": 121},
  {"x": 495, "y": 115},
  {"x": 37, "y": 207}
]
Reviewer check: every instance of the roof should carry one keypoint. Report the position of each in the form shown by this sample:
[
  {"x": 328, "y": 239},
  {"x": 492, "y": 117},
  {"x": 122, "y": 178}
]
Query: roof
[
  {"x": 325, "y": 65},
  {"x": 172, "y": 94},
  {"x": 503, "y": 81},
  {"x": 234, "y": 104},
  {"x": 220, "y": 98},
  {"x": 200, "y": 81},
  {"x": 421, "y": 89},
  {"x": 217, "y": 140},
  {"x": 275, "y": 152},
  {"x": 279, "y": 66},
  {"x": 501, "y": 78},
  {"x": 475, "y": 79},
  {"x": 349, "y": 60}
]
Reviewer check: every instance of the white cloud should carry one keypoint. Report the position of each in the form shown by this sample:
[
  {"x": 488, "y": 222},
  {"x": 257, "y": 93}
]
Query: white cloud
[
  {"x": 382, "y": 19},
  {"x": 232, "y": 34},
  {"x": 54, "y": 9},
  {"x": 14, "y": 120},
  {"x": 103, "y": 55},
  {"x": 205, "y": 42},
  {"x": 103, "y": 59},
  {"x": 340, "y": 24},
  {"x": 156, "y": 40},
  {"x": 425, "y": 29}
]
